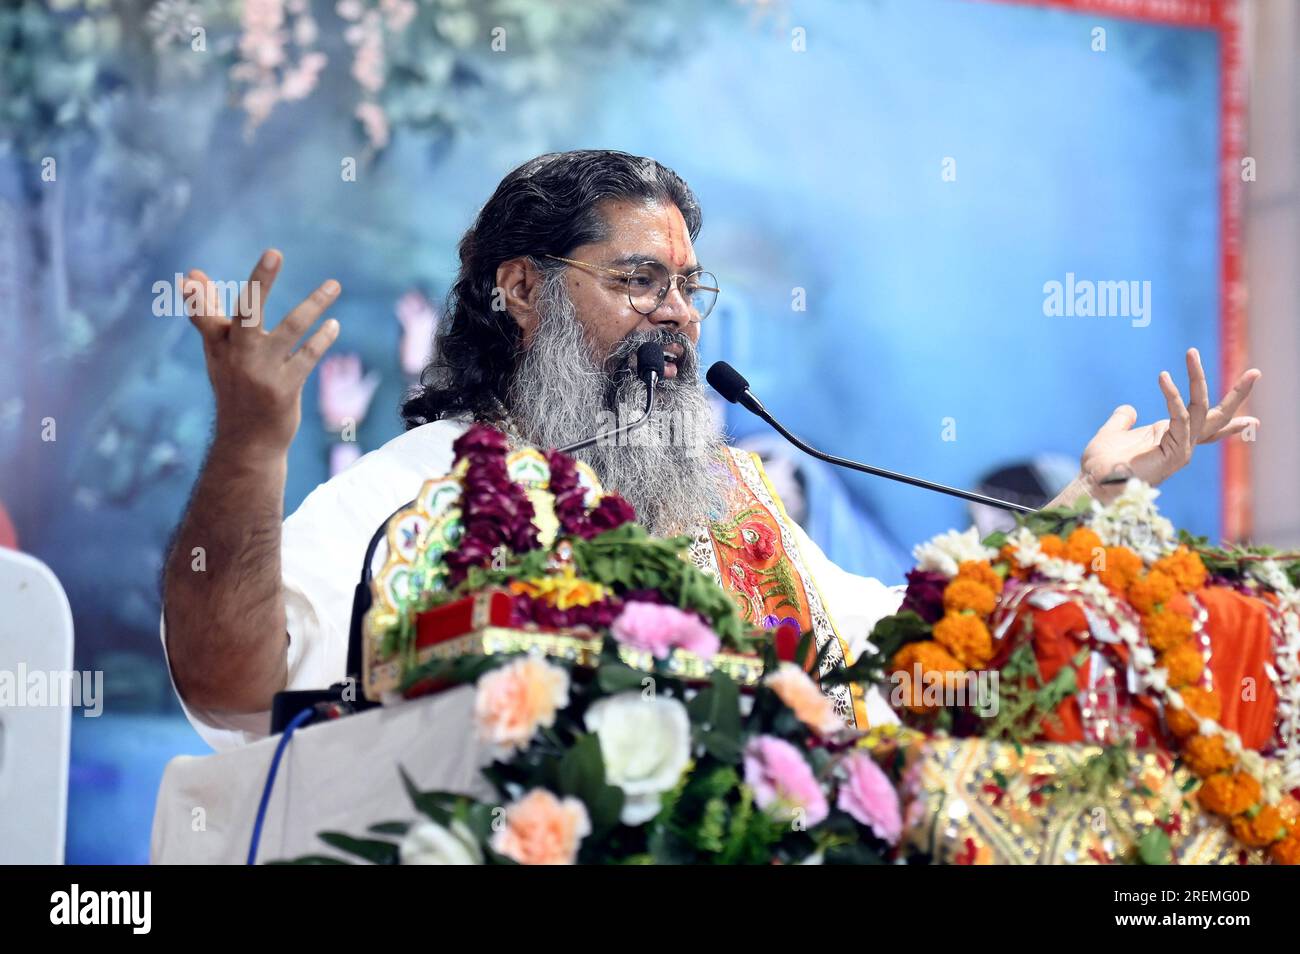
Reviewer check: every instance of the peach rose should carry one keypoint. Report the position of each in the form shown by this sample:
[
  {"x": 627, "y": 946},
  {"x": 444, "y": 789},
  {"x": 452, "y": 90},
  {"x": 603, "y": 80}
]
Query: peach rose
[
  {"x": 515, "y": 700},
  {"x": 805, "y": 699},
  {"x": 541, "y": 829}
]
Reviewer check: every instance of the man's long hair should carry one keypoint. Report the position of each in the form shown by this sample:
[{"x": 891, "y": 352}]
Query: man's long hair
[{"x": 547, "y": 206}]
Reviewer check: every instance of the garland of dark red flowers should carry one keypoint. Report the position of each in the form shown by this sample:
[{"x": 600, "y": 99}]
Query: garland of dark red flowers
[
  {"x": 571, "y": 506},
  {"x": 495, "y": 511}
]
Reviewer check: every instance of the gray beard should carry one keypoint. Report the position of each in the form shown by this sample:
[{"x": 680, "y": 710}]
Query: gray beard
[{"x": 671, "y": 469}]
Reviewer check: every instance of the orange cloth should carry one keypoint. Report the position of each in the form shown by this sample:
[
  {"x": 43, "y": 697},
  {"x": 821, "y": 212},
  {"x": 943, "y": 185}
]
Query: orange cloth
[{"x": 1240, "y": 645}]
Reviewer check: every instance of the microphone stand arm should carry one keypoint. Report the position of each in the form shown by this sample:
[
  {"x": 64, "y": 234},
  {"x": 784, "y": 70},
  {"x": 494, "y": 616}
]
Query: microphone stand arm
[{"x": 756, "y": 406}]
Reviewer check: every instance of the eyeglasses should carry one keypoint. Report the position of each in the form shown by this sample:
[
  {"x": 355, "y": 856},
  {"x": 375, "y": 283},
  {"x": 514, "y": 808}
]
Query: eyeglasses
[{"x": 649, "y": 284}]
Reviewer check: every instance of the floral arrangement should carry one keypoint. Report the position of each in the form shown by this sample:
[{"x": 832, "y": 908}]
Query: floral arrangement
[
  {"x": 621, "y": 766},
  {"x": 594, "y": 569},
  {"x": 616, "y": 763},
  {"x": 1136, "y": 581},
  {"x": 620, "y": 756}
]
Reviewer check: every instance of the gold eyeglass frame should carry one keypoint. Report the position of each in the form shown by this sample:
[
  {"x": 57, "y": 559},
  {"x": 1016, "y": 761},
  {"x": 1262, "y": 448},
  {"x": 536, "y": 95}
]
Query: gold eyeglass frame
[{"x": 673, "y": 279}]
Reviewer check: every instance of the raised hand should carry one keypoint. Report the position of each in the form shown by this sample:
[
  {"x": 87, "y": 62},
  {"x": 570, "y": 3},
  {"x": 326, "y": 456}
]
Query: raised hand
[
  {"x": 257, "y": 375},
  {"x": 419, "y": 319},
  {"x": 1154, "y": 451},
  {"x": 345, "y": 393}
]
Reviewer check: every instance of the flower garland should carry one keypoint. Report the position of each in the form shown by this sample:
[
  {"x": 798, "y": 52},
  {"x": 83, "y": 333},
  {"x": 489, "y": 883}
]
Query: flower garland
[
  {"x": 1237, "y": 783},
  {"x": 495, "y": 511},
  {"x": 1126, "y": 568}
]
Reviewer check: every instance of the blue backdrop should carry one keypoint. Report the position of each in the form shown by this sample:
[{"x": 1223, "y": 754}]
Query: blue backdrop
[{"x": 880, "y": 304}]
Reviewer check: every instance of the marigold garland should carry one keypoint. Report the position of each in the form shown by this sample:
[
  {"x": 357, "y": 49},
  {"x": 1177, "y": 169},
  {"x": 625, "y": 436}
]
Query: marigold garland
[
  {"x": 1229, "y": 793},
  {"x": 1196, "y": 702},
  {"x": 966, "y": 594},
  {"x": 1149, "y": 579},
  {"x": 967, "y": 638}
]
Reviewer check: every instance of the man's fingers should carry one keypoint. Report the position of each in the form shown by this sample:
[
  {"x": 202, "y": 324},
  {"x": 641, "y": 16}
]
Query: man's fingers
[
  {"x": 1121, "y": 419},
  {"x": 252, "y": 294},
  {"x": 305, "y": 358},
  {"x": 1179, "y": 433},
  {"x": 297, "y": 322},
  {"x": 203, "y": 306},
  {"x": 1223, "y": 412},
  {"x": 1234, "y": 426},
  {"x": 1198, "y": 407}
]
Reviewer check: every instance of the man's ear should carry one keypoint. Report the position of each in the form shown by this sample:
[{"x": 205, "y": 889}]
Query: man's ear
[{"x": 517, "y": 285}]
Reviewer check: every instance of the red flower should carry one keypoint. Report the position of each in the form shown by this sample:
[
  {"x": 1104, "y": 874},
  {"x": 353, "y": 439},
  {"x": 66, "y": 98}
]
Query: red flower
[
  {"x": 968, "y": 854},
  {"x": 759, "y": 541},
  {"x": 612, "y": 512}
]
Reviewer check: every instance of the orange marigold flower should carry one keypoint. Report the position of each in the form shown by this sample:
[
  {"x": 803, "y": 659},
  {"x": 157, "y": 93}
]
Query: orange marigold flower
[
  {"x": 1121, "y": 567},
  {"x": 1184, "y": 567},
  {"x": 1201, "y": 701},
  {"x": 966, "y": 637},
  {"x": 981, "y": 571},
  {"x": 1263, "y": 828},
  {"x": 1206, "y": 754},
  {"x": 1184, "y": 663},
  {"x": 1083, "y": 547},
  {"x": 932, "y": 658},
  {"x": 1007, "y": 555},
  {"x": 1229, "y": 793},
  {"x": 1286, "y": 851},
  {"x": 1052, "y": 545},
  {"x": 965, "y": 594},
  {"x": 1166, "y": 629},
  {"x": 1148, "y": 592}
]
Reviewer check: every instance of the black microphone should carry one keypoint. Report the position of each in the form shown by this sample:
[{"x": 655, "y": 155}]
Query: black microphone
[
  {"x": 731, "y": 384},
  {"x": 650, "y": 369}
]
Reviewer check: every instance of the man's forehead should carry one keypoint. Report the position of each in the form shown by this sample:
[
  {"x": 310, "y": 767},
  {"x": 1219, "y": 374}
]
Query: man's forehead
[{"x": 647, "y": 231}]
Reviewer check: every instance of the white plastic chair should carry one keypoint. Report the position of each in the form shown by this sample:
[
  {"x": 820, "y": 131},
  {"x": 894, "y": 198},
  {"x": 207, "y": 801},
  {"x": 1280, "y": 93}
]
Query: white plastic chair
[{"x": 35, "y": 740}]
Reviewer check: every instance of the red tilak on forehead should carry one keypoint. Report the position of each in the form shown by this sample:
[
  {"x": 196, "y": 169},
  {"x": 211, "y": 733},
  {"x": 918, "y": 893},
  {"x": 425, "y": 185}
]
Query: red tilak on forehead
[{"x": 675, "y": 226}]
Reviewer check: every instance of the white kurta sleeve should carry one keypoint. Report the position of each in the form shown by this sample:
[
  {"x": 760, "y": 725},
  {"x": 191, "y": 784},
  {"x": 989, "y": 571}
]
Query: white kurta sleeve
[{"x": 321, "y": 548}]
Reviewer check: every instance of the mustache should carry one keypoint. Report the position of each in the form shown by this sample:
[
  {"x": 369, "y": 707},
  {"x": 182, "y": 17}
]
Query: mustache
[{"x": 620, "y": 362}]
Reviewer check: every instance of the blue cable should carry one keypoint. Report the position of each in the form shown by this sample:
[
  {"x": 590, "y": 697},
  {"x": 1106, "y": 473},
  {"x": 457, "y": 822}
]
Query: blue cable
[{"x": 297, "y": 720}]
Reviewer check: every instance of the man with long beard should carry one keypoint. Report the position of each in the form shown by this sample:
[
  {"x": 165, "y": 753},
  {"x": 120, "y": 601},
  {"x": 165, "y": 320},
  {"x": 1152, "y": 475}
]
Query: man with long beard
[{"x": 576, "y": 260}]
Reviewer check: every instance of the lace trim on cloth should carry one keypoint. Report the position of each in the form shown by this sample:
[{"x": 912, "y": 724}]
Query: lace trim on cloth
[{"x": 823, "y": 630}]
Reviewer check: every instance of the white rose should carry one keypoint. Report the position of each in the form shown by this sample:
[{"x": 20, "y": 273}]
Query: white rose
[
  {"x": 428, "y": 843},
  {"x": 646, "y": 745}
]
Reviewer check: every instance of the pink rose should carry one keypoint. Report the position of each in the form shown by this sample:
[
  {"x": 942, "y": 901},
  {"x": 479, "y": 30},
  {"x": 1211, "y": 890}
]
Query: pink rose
[
  {"x": 868, "y": 795},
  {"x": 659, "y": 629},
  {"x": 541, "y": 829},
  {"x": 780, "y": 776}
]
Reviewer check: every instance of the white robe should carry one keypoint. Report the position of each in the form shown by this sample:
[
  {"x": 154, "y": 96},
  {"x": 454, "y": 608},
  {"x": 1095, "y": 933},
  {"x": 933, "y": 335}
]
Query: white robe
[{"x": 324, "y": 540}]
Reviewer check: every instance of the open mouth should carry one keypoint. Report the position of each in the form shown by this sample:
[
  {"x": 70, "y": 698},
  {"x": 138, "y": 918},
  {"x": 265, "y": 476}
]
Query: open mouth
[
  {"x": 675, "y": 359},
  {"x": 672, "y": 358}
]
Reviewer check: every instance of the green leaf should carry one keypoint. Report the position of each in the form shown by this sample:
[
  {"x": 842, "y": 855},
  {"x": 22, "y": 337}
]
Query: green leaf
[
  {"x": 717, "y": 708},
  {"x": 616, "y": 677},
  {"x": 1154, "y": 848},
  {"x": 371, "y": 849},
  {"x": 581, "y": 773},
  {"x": 429, "y": 804},
  {"x": 312, "y": 860},
  {"x": 390, "y": 828}
]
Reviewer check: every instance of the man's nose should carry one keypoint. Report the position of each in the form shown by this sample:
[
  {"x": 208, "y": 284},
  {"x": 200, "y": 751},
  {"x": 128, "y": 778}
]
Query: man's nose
[{"x": 673, "y": 309}]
